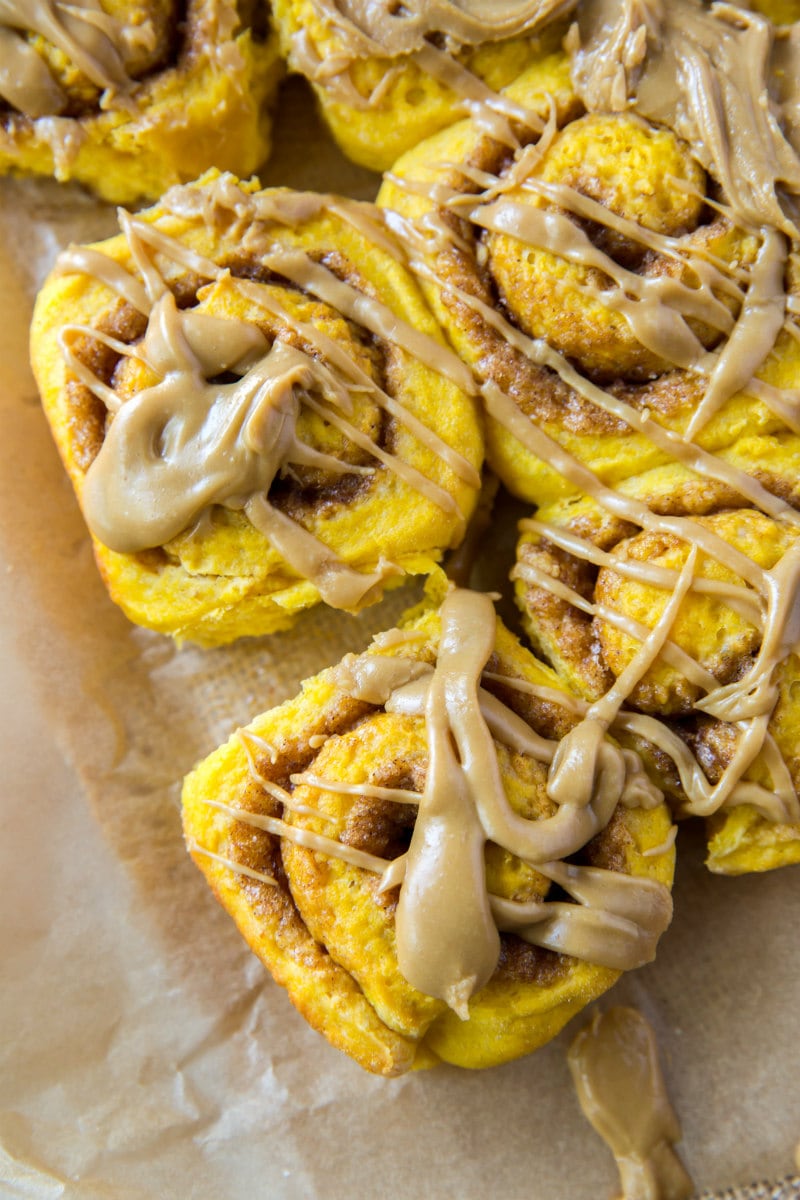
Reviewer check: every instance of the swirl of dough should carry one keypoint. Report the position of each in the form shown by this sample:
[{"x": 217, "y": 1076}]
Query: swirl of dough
[{"x": 555, "y": 287}]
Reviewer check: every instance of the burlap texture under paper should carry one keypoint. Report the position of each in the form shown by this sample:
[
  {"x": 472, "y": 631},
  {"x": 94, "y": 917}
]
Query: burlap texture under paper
[
  {"x": 789, "y": 1189},
  {"x": 151, "y": 1056}
]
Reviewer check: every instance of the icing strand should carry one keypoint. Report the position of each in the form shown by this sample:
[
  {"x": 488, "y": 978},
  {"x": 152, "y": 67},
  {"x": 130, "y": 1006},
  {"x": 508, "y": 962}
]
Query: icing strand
[
  {"x": 737, "y": 597},
  {"x": 398, "y": 795},
  {"x": 670, "y": 651},
  {"x": 302, "y": 837},
  {"x": 342, "y": 362},
  {"x": 194, "y": 847},
  {"x": 606, "y": 709}
]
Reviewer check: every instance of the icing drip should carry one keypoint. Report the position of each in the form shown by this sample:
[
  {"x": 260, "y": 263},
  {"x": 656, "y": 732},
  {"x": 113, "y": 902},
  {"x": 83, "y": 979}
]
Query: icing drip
[
  {"x": 614, "y": 1065},
  {"x": 491, "y": 111},
  {"x": 616, "y": 921},
  {"x": 337, "y": 584},
  {"x": 750, "y": 341},
  {"x": 447, "y": 942},
  {"x": 375, "y": 677},
  {"x": 615, "y": 1069},
  {"x": 185, "y": 444},
  {"x": 25, "y": 81}
]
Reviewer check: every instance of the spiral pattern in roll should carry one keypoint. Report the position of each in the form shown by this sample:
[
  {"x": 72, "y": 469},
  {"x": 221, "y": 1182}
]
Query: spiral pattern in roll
[{"x": 620, "y": 315}]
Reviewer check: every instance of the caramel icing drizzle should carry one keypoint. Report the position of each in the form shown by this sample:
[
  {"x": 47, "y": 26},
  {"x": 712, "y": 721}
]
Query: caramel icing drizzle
[
  {"x": 446, "y": 921},
  {"x": 617, "y": 1075},
  {"x": 383, "y": 29},
  {"x": 190, "y": 441},
  {"x": 718, "y": 99},
  {"x": 704, "y": 72},
  {"x": 239, "y": 868},
  {"x": 94, "y": 41}
]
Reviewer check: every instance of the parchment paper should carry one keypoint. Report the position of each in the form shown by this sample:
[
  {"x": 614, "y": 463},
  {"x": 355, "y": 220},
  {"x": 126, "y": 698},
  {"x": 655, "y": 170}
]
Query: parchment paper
[{"x": 144, "y": 1052}]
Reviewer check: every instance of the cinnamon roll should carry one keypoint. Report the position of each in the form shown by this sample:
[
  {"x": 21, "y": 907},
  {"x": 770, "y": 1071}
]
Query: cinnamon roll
[
  {"x": 130, "y": 99},
  {"x": 429, "y": 849},
  {"x": 388, "y": 75},
  {"x": 625, "y": 293},
  {"x": 255, "y": 407},
  {"x": 682, "y": 613}
]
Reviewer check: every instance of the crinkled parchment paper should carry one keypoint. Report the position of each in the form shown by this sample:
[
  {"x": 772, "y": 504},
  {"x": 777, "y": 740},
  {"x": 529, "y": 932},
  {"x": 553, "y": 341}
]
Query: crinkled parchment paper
[{"x": 145, "y": 1053}]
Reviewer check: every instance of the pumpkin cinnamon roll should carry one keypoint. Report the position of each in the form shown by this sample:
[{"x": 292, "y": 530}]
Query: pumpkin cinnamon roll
[
  {"x": 388, "y": 75},
  {"x": 256, "y": 409},
  {"x": 130, "y": 99},
  {"x": 429, "y": 849},
  {"x": 627, "y": 300},
  {"x": 681, "y": 613}
]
